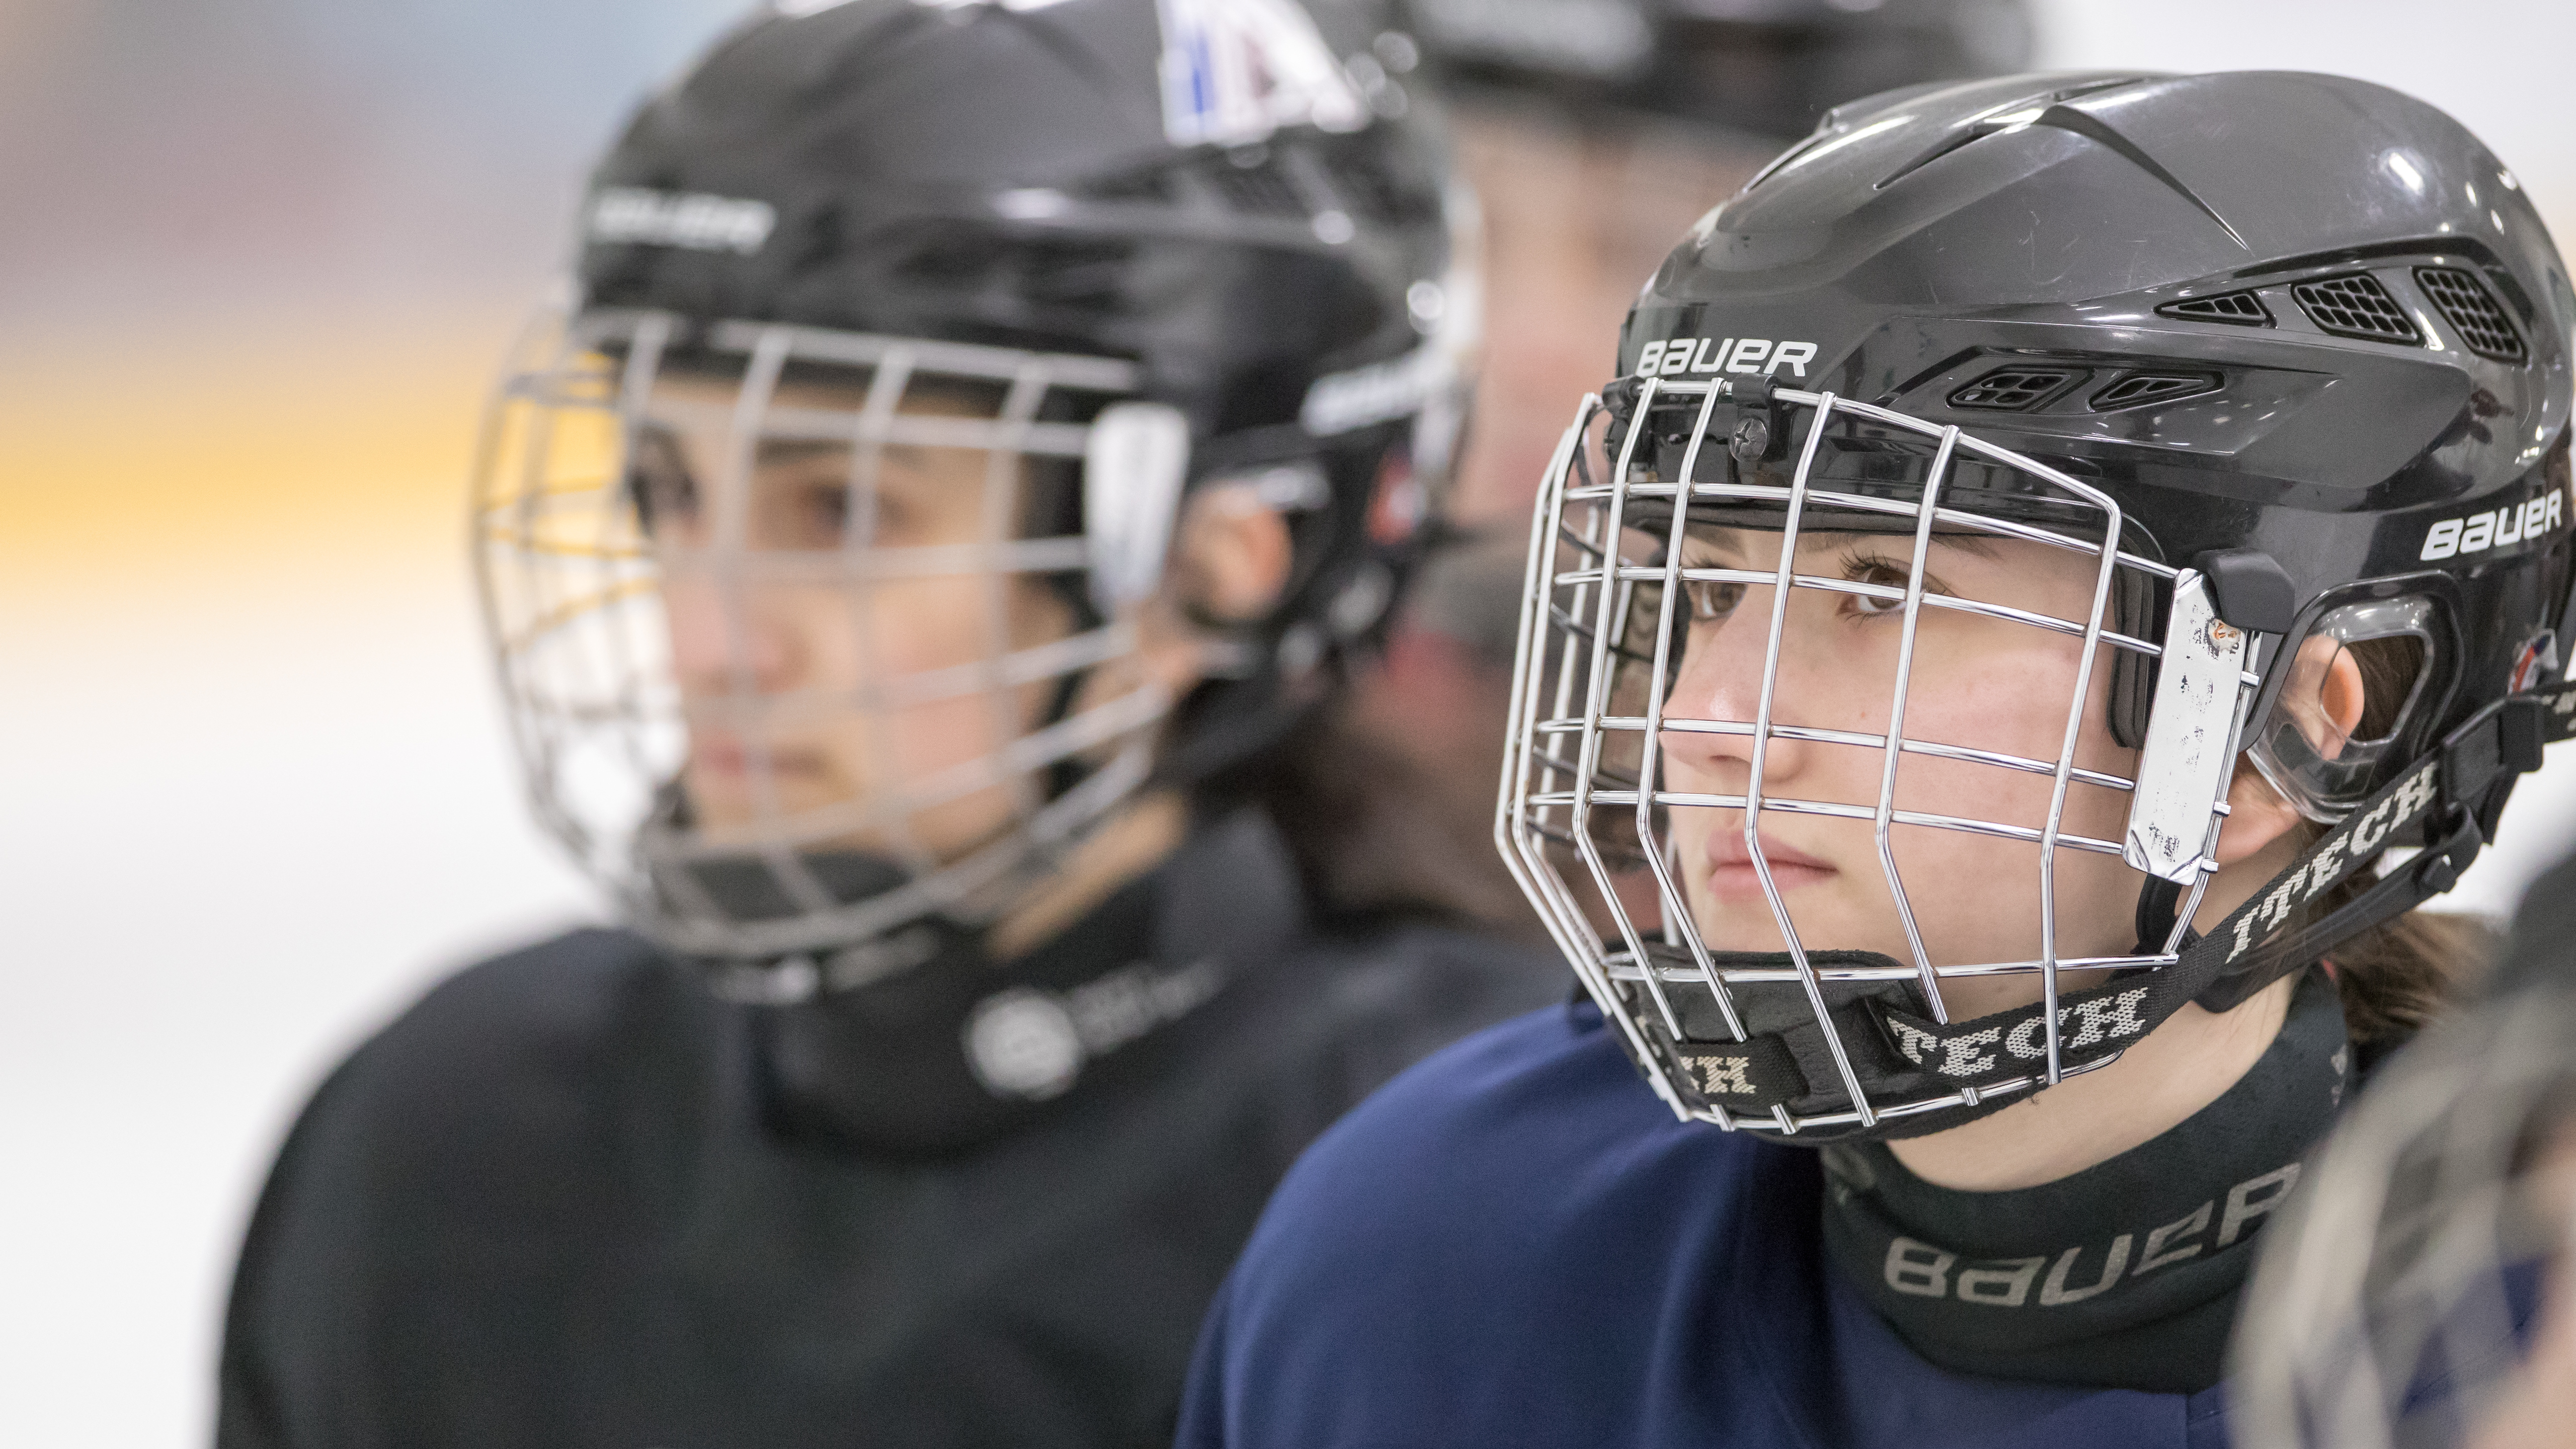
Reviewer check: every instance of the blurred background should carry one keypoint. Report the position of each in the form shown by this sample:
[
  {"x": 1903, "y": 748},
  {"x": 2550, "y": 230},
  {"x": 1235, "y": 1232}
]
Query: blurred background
[{"x": 258, "y": 260}]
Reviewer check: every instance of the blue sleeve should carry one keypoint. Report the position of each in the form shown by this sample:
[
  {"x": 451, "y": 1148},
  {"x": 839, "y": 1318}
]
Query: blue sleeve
[
  {"x": 1412, "y": 1281},
  {"x": 1204, "y": 1396}
]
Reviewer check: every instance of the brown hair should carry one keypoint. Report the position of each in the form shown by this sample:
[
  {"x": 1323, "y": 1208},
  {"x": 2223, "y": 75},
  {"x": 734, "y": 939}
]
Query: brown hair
[{"x": 2397, "y": 976}]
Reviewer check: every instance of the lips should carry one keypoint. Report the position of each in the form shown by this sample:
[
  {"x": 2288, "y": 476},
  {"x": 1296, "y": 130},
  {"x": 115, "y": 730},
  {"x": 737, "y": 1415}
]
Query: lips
[
  {"x": 1732, "y": 875},
  {"x": 724, "y": 755}
]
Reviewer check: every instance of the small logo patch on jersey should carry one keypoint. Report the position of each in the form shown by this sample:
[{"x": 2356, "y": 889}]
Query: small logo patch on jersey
[
  {"x": 1761, "y": 355},
  {"x": 691, "y": 221},
  {"x": 1234, "y": 71},
  {"x": 2495, "y": 528}
]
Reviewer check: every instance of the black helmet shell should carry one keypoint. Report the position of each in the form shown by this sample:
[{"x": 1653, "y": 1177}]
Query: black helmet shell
[{"x": 2291, "y": 312}]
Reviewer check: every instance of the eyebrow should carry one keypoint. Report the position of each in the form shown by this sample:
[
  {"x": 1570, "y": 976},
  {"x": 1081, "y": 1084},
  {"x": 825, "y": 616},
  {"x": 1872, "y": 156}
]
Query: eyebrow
[{"x": 1983, "y": 545}]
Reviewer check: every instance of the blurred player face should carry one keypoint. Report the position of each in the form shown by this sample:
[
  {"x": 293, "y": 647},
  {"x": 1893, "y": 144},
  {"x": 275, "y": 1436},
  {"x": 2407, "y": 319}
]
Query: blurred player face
[
  {"x": 1980, "y": 682},
  {"x": 823, "y": 657}
]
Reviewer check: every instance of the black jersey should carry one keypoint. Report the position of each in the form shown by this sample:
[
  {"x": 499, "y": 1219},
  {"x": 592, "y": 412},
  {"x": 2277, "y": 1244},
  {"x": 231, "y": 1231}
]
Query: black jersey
[{"x": 558, "y": 1203}]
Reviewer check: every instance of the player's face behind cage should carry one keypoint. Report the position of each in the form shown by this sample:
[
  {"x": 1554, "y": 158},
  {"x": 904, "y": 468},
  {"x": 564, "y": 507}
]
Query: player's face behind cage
[
  {"x": 1988, "y": 682},
  {"x": 786, "y": 626},
  {"x": 1994, "y": 856}
]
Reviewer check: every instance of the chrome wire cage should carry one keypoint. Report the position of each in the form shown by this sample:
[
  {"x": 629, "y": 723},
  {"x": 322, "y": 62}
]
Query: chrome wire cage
[
  {"x": 2396, "y": 1302},
  {"x": 1586, "y": 800},
  {"x": 573, "y": 583}
]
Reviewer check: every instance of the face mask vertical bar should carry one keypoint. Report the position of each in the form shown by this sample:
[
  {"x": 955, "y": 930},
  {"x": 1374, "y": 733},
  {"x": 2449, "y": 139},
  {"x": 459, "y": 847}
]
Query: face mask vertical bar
[
  {"x": 1596, "y": 703},
  {"x": 733, "y": 556},
  {"x": 1781, "y": 586},
  {"x": 1676, "y": 912},
  {"x": 1511, "y": 795},
  {"x": 507, "y": 523},
  {"x": 635, "y": 384},
  {"x": 1002, "y": 485},
  {"x": 1516, "y": 825},
  {"x": 1517, "y": 822},
  {"x": 887, "y": 386},
  {"x": 2065, "y": 769},
  {"x": 1896, "y": 723}
]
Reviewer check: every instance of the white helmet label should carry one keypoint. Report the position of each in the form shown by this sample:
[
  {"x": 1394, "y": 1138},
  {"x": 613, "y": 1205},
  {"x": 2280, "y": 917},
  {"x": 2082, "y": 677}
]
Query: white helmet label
[
  {"x": 691, "y": 221},
  {"x": 1234, "y": 71}
]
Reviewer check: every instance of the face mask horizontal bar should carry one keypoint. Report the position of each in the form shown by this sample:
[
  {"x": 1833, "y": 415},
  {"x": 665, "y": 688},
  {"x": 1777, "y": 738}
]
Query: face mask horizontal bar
[
  {"x": 1830, "y": 501},
  {"x": 1834, "y": 809},
  {"x": 1620, "y": 968},
  {"x": 852, "y": 426},
  {"x": 842, "y": 564},
  {"x": 1134, "y": 710},
  {"x": 1635, "y": 724},
  {"x": 1846, "y": 407},
  {"x": 567, "y": 613},
  {"x": 533, "y": 549},
  {"x": 865, "y": 349},
  {"x": 954, "y": 884},
  {"x": 1649, "y": 574},
  {"x": 1051, "y": 660}
]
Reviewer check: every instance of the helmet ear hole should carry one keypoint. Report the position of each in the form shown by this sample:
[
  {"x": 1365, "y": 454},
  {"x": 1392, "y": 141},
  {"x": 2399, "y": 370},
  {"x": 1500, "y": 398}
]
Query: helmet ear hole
[{"x": 2352, "y": 700}]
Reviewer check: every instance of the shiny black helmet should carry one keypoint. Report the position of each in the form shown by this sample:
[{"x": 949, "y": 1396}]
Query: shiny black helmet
[
  {"x": 2282, "y": 358},
  {"x": 1125, "y": 250}
]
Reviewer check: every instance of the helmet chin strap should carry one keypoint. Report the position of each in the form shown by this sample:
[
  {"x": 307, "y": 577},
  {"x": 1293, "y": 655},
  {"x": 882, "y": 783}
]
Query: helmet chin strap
[{"x": 2450, "y": 800}]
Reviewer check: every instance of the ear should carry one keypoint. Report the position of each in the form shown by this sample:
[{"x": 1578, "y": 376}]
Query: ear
[
  {"x": 2341, "y": 694},
  {"x": 1232, "y": 561},
  {"x": 1229, "y": 564}
]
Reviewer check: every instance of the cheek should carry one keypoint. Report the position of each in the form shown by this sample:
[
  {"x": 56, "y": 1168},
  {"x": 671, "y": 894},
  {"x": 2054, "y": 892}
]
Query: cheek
[{"x": 2010, "y": 701}]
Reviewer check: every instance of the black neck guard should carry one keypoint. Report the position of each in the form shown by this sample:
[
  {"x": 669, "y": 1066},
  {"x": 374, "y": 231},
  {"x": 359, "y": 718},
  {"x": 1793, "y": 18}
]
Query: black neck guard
[
  {"x": 959, "y": 1049},
  {"x": 2123, "y": 1276}
]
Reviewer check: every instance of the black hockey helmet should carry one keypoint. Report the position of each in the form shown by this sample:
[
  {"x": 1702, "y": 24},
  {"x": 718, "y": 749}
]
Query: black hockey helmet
[
  {"x": 1763, "y": 67},
  {"x": 1154, "y": 246},
  {"x": 2286, "y": 354}
]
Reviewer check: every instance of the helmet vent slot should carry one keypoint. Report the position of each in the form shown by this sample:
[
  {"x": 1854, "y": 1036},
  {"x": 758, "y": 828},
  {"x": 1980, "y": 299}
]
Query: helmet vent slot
[
  {"x": 2472, "y": 312},
  {"x": 2244, "y": 309},
  {"x": 2355, "y": 305},
  {"x": 2141, "y": 388},
  {"x": 2014, "y": 389}
]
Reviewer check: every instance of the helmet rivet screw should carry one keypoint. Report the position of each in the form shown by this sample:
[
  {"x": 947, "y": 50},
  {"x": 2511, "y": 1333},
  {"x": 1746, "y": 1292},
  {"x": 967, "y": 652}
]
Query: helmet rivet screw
[{"x": 1752, "y": 439}]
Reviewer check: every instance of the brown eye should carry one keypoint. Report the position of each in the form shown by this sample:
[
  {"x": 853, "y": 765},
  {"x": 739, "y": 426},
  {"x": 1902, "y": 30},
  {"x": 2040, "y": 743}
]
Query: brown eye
[
  {"x": 1882, "y": 575},
  {"x": 826, "y": 514},
  {"x": 1712, "y": 601}
]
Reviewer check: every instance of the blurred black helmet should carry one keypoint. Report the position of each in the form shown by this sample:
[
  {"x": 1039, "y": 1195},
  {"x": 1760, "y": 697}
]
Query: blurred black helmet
[{"x": 1142, "y": 247}]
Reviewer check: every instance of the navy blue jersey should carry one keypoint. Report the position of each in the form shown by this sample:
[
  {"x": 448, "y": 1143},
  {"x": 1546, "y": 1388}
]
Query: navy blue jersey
[{"x": 1516, "y": 1244}]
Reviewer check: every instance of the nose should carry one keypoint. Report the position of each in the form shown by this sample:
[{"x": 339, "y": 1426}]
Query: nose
[
  {"x": 723, "y": 640},
  {"x": 1719, "y": 681}
]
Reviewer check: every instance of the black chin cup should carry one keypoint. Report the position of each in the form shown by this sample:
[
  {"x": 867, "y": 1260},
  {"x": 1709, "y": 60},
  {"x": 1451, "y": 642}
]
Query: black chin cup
[
  {"x": 749, "y": 888},
  {"x": 1785, "y": 1061}
]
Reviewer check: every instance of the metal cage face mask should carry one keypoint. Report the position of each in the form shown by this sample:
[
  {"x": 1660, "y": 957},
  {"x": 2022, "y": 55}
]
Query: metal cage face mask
[
  {"x": 1839, "y": 718},
  {"x": 808, "y": 636}
]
